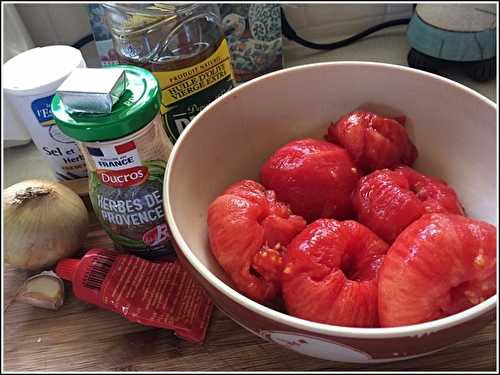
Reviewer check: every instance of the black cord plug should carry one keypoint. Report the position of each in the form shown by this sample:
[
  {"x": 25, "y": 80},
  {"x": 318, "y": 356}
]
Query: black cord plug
[{"x": 83, "y": 41}]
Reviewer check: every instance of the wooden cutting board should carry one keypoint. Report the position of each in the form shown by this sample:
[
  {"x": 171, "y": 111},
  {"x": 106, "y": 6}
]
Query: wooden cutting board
[{"x": 81, "y": 337}]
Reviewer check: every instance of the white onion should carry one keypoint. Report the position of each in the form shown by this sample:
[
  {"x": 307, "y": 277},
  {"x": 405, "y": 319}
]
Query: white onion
[{"x": 44, "y": 222}]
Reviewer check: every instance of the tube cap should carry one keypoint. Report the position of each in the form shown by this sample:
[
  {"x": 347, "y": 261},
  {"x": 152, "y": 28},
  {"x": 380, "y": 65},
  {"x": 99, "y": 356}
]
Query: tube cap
[{"x": 66, "y": 268}]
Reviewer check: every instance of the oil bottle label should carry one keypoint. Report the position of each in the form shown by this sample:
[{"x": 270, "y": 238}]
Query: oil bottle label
[{"x": 185, "y": 92}]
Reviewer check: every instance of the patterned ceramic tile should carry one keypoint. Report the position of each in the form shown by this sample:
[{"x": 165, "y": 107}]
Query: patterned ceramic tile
[{"x": 254, "y": 35}]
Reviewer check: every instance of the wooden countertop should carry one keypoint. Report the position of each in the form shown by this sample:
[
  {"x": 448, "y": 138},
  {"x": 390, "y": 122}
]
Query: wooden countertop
[{"x": 81, "y": 337}]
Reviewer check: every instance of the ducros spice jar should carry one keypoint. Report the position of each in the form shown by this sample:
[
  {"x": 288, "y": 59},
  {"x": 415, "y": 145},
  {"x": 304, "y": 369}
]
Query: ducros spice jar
[
  {"x": 125, "y": 152},
  {"x": 185, "y": 48}
]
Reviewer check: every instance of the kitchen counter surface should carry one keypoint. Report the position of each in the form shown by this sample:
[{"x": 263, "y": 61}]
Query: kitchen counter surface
[
  {"x": 83, "y": 337},
  {"x": 228, "y": 347},
  {"x": 389, "y": 47}
]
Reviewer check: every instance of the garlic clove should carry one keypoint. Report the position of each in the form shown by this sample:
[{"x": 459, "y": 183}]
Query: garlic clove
[{"x": 45, "y": 290}]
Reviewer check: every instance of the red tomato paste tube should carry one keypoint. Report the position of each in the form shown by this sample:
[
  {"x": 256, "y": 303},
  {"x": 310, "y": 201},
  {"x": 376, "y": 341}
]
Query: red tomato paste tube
[{"x": 158, "y": 294}]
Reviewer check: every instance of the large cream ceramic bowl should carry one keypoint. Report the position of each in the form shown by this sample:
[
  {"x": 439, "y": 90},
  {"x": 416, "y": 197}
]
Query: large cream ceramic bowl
[{"x": 453, "y": 127}]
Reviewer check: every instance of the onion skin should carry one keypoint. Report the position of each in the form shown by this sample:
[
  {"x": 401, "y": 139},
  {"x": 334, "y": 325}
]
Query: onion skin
[{"x": 44, "y": 221}]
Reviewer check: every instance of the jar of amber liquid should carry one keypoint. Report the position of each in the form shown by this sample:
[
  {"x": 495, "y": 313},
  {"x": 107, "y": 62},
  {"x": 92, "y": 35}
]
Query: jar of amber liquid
[{"x": 183, "y": 45}]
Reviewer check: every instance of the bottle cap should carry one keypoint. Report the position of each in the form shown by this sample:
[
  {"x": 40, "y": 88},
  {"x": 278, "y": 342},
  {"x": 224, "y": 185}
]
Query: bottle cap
[
  {"x": 40, "y": 70},
  {"x": 92, "y": 90},
  {"x": 136, "y": 107}
]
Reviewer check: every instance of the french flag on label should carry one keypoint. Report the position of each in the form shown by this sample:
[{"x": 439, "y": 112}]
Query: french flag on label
[{"x": 115, "y": 157}]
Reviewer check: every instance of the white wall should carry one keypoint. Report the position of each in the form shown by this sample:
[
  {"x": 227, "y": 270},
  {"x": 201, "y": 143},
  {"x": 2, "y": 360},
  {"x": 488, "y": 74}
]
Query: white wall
[
  {"x": 66, "y": 23},
  {"x": 319, "y": 20},
  {"x": 59, "y": 24}
]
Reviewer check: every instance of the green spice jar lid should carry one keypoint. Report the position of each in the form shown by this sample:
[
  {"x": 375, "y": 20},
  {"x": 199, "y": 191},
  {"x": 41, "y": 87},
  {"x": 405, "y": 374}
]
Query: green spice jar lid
[{"x": 137, "y": 106}]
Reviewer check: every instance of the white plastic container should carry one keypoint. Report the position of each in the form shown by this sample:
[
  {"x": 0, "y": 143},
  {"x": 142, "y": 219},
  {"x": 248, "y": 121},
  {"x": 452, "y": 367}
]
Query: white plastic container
[{"x": 30, "y": 80}]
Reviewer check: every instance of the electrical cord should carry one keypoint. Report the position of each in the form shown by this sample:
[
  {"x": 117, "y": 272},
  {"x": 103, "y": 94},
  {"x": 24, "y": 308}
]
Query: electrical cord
[
  {"x": 83, "y": 41},
  {"x": 290, "y": 33}
]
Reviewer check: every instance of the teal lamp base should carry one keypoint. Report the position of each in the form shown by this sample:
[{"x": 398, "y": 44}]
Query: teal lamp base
[{"x": 433, "y": 48}]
